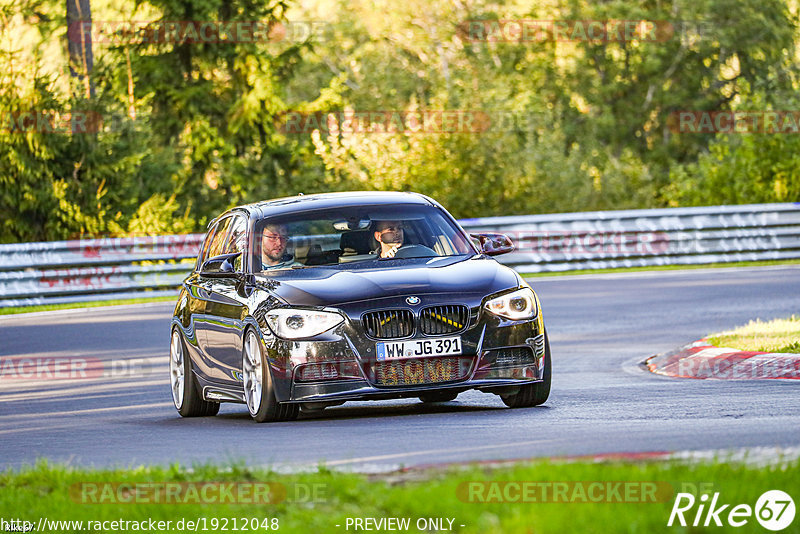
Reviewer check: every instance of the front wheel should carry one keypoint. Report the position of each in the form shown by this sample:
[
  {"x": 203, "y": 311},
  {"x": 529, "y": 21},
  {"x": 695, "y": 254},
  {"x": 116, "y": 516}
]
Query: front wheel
[
  {"x": 533, "y": 394},
  {"x": 259, "y": 394},
  {"x": 185, "y": 394}
]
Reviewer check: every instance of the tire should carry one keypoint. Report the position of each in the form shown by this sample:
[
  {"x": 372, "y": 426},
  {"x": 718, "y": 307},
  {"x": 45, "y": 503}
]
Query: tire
[
  {"x": 438, "y": 396},
  {"x": 533, "y": 394},
  {"x": 259, "y": 393},
  {"x": 186, "y": 394}
]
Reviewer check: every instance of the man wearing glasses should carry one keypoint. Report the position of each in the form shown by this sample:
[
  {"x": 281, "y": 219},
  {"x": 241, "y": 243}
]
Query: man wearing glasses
[{"x": 273, "y": 248}]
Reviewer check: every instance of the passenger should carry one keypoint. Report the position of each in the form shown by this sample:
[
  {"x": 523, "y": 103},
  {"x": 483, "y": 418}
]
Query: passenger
[{"x": 390, "y": 235}]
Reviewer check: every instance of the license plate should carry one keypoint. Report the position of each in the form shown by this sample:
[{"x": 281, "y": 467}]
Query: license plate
[{"x": 419, "y": 348}]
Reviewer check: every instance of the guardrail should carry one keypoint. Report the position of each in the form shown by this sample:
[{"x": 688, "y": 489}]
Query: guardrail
[
  {"x": 639, "y": 238},
  {"x": 95, "y": 269}
]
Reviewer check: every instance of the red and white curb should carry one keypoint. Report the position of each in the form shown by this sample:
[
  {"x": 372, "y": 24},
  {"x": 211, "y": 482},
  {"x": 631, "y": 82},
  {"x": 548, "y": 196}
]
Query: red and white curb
[{"x": 703, "y": 360}]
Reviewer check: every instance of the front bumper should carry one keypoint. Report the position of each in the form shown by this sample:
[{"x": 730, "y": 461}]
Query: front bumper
[{"x": 498, "y": 355}]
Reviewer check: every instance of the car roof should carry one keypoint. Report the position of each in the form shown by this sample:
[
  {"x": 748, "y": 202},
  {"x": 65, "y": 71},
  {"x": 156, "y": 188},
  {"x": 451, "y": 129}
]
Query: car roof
[{"x": 287, "y": 205}]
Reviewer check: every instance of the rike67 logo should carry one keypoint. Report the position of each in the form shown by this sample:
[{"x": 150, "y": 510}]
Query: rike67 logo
[{"x": 774, "y": 510}]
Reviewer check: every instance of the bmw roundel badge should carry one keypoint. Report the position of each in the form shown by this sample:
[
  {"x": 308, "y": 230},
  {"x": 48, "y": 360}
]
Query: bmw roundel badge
[{"x": 412, "y": 300}]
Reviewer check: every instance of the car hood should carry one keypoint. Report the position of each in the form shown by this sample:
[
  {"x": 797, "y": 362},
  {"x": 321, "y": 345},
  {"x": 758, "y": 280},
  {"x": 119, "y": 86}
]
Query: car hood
[{"x": 329, "y": 286}]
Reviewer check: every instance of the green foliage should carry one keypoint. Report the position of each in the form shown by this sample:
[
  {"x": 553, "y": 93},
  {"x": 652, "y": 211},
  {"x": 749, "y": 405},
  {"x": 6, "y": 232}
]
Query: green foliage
[
  {"x": 594, "y": 129},
  {"x": 157, "y": 216},
  {"x": 191, "y": 128},
  {"x": 740, "y": 169},
  {"x": 215, "y": 103},
  {"x": 58, "y": 185}
]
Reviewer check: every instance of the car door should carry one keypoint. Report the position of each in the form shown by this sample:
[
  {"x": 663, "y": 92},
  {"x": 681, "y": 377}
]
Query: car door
[
  {"x": 203, "y": 289},
  {"x": 197, "y": 288},
  {"x": 226, "y": 309}
]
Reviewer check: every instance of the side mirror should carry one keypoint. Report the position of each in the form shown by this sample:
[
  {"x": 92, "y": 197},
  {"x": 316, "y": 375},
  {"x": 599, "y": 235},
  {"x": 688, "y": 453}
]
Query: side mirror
[
  {"x": 221, "y": 265},
  {"x": 494, "y": 244}
]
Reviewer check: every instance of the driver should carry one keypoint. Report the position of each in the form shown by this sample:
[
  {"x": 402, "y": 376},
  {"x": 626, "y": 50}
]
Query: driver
[
  {"x": 390, "y": 236},
  {"x": 273, "y": 248}
]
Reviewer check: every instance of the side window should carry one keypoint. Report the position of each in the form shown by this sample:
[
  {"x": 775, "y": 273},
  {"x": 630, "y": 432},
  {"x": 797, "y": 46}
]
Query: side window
[
  {"x": 413, "y": 233},
  {"x": 203, "y": 256},
  {"x": 237, "y": 241},
  {"x": 217, "y": 242}
]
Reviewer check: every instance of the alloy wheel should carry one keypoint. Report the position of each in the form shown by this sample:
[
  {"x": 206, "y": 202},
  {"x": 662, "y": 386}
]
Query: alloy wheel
[
  {"x": 252, "y": 371},
  {"x": 176, "y": 373}
]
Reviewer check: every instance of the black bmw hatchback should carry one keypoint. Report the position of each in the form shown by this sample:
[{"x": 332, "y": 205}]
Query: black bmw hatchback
[{"x": 311, "y": 301}]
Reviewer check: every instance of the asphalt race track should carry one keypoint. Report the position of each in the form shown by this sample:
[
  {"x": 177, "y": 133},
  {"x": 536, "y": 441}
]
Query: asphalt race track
[{"x": 600, "y": 327}]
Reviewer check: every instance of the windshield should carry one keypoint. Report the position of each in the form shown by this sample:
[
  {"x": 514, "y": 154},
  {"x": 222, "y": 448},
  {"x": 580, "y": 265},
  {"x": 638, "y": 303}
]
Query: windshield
[{"x": 355, "y": 234}]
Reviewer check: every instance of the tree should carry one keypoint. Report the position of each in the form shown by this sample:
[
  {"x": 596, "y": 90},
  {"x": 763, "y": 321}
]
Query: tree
[{"x": 79, "y": 44}]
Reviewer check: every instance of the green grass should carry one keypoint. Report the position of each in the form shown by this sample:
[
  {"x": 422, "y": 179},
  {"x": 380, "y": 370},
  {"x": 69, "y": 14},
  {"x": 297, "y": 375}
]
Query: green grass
[
  {"x": 55, "y": 493},
  {"x": 79, "y": 305},
  {"x": 666, "y": 268},
  {"x": 779, "y": 335}
]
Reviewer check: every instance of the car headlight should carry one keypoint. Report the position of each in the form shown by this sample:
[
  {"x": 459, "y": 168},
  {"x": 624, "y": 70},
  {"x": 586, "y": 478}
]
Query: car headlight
[
  {"x": 289, "y": 323},
  {"x": 517, "y": 305}
]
